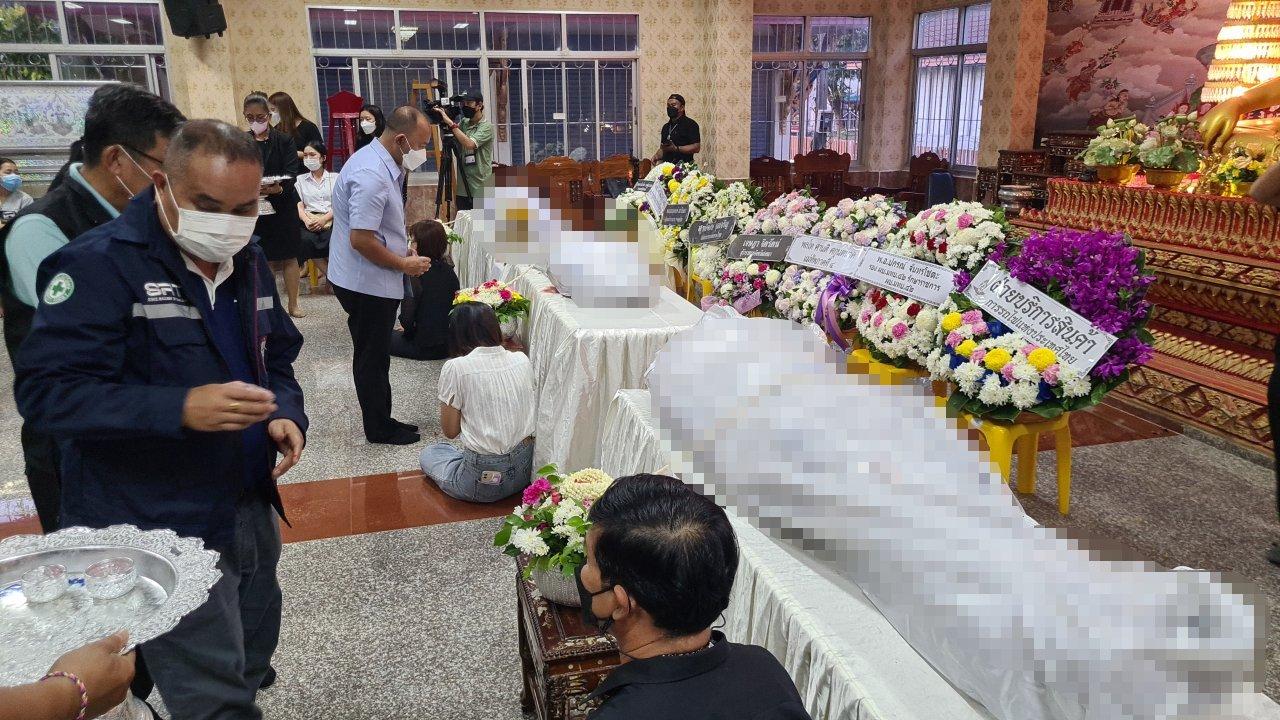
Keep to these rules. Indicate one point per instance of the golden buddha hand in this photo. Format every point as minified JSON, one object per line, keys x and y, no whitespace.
{"x":1219,"y":124}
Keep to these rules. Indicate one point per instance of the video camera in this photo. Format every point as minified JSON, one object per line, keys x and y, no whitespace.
{"x":451,"y":107}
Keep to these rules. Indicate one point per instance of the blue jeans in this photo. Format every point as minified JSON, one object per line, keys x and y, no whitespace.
{"x":468,"y":475}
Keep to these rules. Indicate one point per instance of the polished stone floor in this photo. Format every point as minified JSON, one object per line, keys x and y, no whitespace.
{"x":397,"y":606}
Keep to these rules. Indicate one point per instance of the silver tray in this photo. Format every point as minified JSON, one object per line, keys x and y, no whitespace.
{"x":174,"y":578}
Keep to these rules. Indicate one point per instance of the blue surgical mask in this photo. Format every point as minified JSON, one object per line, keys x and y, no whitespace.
{"x":11,"y":182}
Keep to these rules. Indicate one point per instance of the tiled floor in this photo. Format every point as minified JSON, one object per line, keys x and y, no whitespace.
{"x":398,"y":606}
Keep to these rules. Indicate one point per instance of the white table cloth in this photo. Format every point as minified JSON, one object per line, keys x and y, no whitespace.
{"x":847,"y":661}
{"x":471,"y":260}
{"x":582,"y":357}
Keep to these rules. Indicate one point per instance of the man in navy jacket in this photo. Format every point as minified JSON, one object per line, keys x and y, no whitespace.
{"x":162,"y":362}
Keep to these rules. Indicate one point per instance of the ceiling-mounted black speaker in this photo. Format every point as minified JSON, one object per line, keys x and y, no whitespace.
{"x":195,"y":18}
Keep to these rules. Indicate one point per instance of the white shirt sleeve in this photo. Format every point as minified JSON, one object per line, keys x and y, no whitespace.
{"x":448,"y":387}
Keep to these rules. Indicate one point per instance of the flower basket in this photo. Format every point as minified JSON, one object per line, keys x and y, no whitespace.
{"x":555,"y":587}
{"x":1117,"y":174}
{"x":1164,"y":178}
{"x":508,"y":304}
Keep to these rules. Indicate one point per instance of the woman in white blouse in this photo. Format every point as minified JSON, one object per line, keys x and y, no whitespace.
{"x":486,"y":397}
{"x":315,"y":206}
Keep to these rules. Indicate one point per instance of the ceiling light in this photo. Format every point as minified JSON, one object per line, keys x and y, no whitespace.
{"x":121,"y":21}
{"x":461,"y":26}
{"x":72,"y":6}
{"x":407,"y":32}
{"x":350,"y":22}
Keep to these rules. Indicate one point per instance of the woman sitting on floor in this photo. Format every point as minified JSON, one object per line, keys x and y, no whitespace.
{"x":425,"y":315}
{"x":487,"y":397}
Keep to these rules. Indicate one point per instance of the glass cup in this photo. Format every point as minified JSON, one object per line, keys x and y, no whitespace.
{"x":110,"y":578}
{"x":45,"y":583}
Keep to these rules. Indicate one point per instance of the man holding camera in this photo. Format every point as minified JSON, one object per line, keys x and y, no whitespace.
{"x":474,"y":136}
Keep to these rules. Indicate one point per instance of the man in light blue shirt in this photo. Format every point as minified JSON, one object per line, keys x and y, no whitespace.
{"x":126,"y":137}
{"x":369,"y":255}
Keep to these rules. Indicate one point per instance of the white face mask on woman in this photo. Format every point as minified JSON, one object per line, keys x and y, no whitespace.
{"x":368,"y":126}
{"x":275,"y":117}
{"x":311,"y":163}
{"x":213,"y":237}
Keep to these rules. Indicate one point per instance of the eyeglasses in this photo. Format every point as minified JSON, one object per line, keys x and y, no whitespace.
{"x":148,"y":156}
{"x":264,"y":117}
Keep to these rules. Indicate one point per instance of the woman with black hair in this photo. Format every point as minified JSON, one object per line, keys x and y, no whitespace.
{"x":425,"y":316}
{"x":278,"y":229}
{"x":487,"y":398}
{"x":315,"y":206}
{"x":286,"y":118}
{"x":372,"y":123}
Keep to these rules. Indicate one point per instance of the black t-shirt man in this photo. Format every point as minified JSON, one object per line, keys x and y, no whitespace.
{"x":680,"y":135}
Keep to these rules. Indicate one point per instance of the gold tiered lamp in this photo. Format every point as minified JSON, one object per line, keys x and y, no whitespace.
{"x":1244,"y":77}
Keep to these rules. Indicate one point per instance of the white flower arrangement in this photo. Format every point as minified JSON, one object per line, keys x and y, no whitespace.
{"x":896,"y":329}
{"x":865,"y":221}
{"x":956,"y":235}
{"x":551,"y":524}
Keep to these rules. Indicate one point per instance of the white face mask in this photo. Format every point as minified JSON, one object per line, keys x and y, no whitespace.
{"x":368,"y":126}
{"x":413,"y":158}
{"x":275,"y":117}
{"x":213,"y":237}
{"x":311,"y":163}
{"x":258,"y":127}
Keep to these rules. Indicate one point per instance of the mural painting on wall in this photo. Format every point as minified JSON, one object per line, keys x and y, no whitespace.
{"x":1108,"y":59}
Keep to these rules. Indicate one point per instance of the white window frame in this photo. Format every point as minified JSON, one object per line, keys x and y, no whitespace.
{"x":484,"y":55}
{"x":65,"y":47}
{"x":806,"y":56}
{"x":958,"y":52}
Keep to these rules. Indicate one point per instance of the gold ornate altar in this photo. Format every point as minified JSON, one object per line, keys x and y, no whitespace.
{"x":1216,"y":299}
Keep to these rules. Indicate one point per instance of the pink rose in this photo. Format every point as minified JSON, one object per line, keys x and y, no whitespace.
{"x":1050,"y":374}
{"x":758,"y":283}
{"x":977,"y":354}
{"x":740,"y":278}
{"x":971,"y":317}
{"x":877,"y":321}
{"x":505,"y":295}
{"x":939,"y":214}
{"x":979,"y":328}
{"x":536,"y":491}
{"x":899,"y":331}
{"x":954,"y":338}
{"x":865,"y":317}
{"x":964,"y":221}
{"x":762,"y":267}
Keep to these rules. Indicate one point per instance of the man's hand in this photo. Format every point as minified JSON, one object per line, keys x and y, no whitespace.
{"x":288,"y":440}
{"x":230,"y":406}
{"x":440,"y":111}
{"x":415,"y":266}
{"x":106,"y":673}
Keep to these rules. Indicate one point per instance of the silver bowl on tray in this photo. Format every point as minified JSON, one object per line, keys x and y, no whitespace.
{"x":143,"y":581}
{"x":1016,"y":198}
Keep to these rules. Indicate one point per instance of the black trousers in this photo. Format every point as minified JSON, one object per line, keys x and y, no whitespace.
{"x":371,"y":319}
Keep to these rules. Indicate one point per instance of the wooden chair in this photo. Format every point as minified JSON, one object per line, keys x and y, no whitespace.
{"x":772,"y":175}
{"x":344,"y":124}
{"x":823,"y":172}
{"x":915,"y":195}
{"x":563,"y":179}
{"x":617,"y":167}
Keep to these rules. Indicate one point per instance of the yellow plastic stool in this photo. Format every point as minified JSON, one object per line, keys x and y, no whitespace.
{"x":1004,"y":438}
{"x":313,"y":274}
{"x":860,"y":361}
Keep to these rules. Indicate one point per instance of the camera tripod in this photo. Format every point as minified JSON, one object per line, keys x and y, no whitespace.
{"x":450,"y":157}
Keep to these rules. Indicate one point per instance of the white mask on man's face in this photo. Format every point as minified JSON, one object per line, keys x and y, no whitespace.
{"x":212,"y":237}
{"x":413,"y":159}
